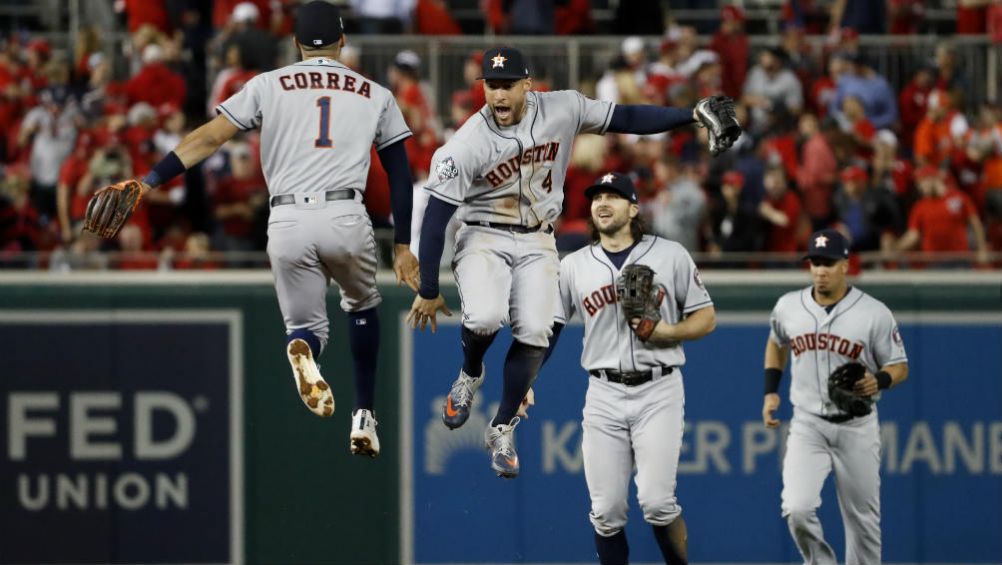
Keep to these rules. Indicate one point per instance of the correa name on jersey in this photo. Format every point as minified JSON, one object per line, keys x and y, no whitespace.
{"x":324,"y":81}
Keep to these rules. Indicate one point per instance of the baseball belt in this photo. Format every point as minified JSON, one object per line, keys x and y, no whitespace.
{"x":629,"y":378}
{"x":514,"y":228}
{"x":329,"y":196}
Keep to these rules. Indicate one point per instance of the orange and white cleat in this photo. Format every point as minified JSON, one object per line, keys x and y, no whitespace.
{"x":312,"y":387}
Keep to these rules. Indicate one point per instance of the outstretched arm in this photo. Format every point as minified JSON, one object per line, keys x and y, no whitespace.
{"x":644,"y":119}
{"x":394,"y":160}
{"x":192,"y":150}
{"x":429,"y":301}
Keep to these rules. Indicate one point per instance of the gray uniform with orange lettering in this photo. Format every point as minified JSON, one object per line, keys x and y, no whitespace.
{"x":318,"y":121}
{"x":858,"y":328}
{"x":512,"y":175}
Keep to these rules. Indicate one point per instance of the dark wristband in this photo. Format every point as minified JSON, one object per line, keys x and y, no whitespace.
{"x":772,"y":378}
{"x":164,"y":171}
{"x":883,"y":380}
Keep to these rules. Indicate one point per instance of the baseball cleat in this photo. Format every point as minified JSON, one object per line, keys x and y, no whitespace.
{"x":500,"y":441}
{"x":457,"y":405}
{"x":364,"y":440}
{"x":312,"y":387}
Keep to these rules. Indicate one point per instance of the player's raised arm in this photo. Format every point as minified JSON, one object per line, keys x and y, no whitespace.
{"x":715,"y":113}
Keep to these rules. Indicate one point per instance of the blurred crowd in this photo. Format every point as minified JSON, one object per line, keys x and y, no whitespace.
{"x":828,"y":141}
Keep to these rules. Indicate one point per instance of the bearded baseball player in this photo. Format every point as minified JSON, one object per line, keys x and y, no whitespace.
{"x":318,"y":120}
{"x":639,"y":296}
{"x":846,"y":350}
{"x":504,"y":169}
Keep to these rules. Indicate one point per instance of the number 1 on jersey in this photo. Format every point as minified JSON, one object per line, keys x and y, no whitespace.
{"x":324,"y":140}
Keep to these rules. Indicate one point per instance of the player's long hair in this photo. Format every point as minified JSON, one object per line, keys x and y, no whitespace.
{"x":638,"y":227}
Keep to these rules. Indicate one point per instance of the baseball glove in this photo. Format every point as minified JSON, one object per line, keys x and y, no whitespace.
{"x":110,"y":207}
{"x":840,"y":389}
{"x":716,"y":114}
{"x":640,"y":298}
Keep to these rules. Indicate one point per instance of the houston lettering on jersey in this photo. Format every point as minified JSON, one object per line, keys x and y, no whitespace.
{"x":826,"y":342}
{"x":599,"y":299}
{"x":325,"y":81}
{"x":537,"y":154}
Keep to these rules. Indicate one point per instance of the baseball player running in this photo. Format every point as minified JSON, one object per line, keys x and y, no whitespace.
{"x":639,"y":296}
{"x":505,"y":167}
{"x":318,"y":120}
{"x":831,"y":327}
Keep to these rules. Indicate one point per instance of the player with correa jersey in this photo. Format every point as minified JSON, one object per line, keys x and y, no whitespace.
{"x":504,"y":171}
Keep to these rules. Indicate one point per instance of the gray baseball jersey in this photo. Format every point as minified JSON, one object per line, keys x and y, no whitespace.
{"x":858,"y":328}
{"x":515,"y":174}
{"x":625,"y":425}
{"x":588,"y":287}
{"x":318,"y":122}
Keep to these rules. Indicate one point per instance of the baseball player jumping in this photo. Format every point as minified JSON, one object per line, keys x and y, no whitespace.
{"x":639,"y":296}
{"x":505,"y":168}
{"x":832,"y":328}
{"x":318,"y":121}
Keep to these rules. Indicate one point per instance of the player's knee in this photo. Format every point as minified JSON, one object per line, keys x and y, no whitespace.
{"x":609,"y":521}
{"x":484,"y":322}
{"x":536,"y":334}
{"x":660,"y":510}
{"x":799,"y":516}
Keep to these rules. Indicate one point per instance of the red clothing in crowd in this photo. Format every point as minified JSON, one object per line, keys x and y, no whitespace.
{"x":420,"y":148}
{"x":74,"y":168}
{"x":816,"y":176}
{"x":153,"y":12}
{"x":942,"y":221}
{"x":822,"y":93}
{"x":912,"y":107}
{"x":733,"y":51}
{"x":431,"y":17}
{"x":377,"y":189}
{"x":232,"y":190}
{"x":971,"y":20}
{"x":574,"y":18}
{"x":157,"y":85}
{"x":785,"y":239}
{"x":19,"y":227}
{"x":933,"y":141}
{"x":223,"y":9}
{"x":905,"y":16}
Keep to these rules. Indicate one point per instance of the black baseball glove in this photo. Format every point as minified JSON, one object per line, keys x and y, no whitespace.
{"x":640,"y":298}
{"x":840,"y":389}
{"x":716,"y":114}
{"x":110,"y":207}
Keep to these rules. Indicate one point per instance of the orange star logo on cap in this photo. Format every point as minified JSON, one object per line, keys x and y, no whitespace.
{"x":607,"y":179}
{"x":498,"y":61}
{"x":821,"y":241}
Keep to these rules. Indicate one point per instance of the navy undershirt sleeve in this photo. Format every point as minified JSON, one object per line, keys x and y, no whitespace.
{"x":557,"y":327}
{"x":436,"y":218}
{"x":398,"y":171}
{"x":645,"y":119}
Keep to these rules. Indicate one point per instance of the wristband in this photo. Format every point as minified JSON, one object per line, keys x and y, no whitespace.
{"x":164,"y":171}
{"x":772,"y":378}
{"x":883,"y":380}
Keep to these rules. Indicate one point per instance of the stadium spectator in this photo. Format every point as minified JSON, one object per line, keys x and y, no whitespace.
{"x":786,"y":225}
{"x":197,"y":254}
{"x":731,"y":44}
{"x":853,"y":121}
{"x":574,"y":18}
{"x":940,"y":132}
{"x":432,"y":17}
{"x":71,"y":205}
{"x":869,"y":216}
{"x":403,"y":78}
{"x":623,"y":82}
{"x":20,"y":221}
{"x":134,"y":253}
{"x":236,"y":201}
{"x":940,"y":220}
{"x":913,"y":101}
{"x":146,"y":12}
{"x":155,"y":83}
{"x":815,"y":172}
{"x":873,"y":91}
{"x":222,"y":13}
{"x":258,"y":47}
{"x":734,"y":223}
{"x":382,"y":16}
{"x":905,"y":16}
{"x":951,"y":78}
{"x":890,"y":171}
{"x":51,"y":129}
{"x":972,"y":15}
{"x":771,"y":86}
{"x":229,"y":80}
{"x":677,"y":212}
{"x":865,"y":16}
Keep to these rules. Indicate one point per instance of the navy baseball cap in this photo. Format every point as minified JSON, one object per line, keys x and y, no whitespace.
{"x":318,"y":23}
{"x":503,"y":63}
{"x":613,"y":182}
{"x":828,"y":244}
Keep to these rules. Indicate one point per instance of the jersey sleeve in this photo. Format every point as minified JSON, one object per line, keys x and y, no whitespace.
{"x":690,"y":292}
{"x":776,"y":331}
{"x":391,"y":127}
{"x":244,"y":107}
{"x":452,"y":172}
{"x":593,"y":115}
{"x":565,"y":301}
{"x":885,"y":339}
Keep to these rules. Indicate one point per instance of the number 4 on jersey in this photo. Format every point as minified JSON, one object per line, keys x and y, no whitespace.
{"x":324,"y":139}
{"x":548,"y":181}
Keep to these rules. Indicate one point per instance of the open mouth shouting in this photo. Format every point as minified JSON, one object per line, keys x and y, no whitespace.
{"x":503,"y":113}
